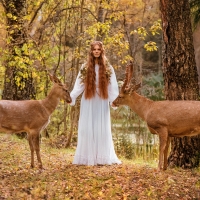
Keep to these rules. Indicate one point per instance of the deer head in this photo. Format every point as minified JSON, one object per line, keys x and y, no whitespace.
{"x":61,"y":89}
{"x":127,"y":88}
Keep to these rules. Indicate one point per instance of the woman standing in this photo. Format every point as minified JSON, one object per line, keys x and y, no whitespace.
{"x":98,"y":83}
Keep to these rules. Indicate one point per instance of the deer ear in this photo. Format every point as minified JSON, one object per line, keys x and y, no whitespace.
{"x":127,"y":90}
{"x":51,"y":77}
{"x":137,"y":86}
{"x":54,"y":78}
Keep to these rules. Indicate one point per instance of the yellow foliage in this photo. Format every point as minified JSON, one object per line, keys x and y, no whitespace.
{"x":151,"y":46}
{"x":156,"y":27}
{"x":9,"y":15}
{"x":34,"y":74}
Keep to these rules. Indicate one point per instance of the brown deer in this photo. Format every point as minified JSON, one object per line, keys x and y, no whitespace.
{"x":32,"y":116}
{"x":164,"y":118}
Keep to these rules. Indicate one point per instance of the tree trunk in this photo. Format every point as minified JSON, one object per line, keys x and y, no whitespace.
{"x":18,"y":83}
{"x":101,"y":18}
{"x":196,"y":42}
{"x":180,"y":73}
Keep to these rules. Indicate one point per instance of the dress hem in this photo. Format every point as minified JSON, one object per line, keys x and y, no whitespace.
{"x":79,"y":160}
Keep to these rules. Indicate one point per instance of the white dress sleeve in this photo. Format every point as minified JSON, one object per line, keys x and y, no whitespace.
{"x":113,"y":89}
{"x":79,"y":87}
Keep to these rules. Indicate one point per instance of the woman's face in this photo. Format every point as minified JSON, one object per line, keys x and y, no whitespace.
{"x":96,"y":51}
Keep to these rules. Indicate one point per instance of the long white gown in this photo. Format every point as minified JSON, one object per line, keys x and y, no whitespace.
{"x":95,"y":144}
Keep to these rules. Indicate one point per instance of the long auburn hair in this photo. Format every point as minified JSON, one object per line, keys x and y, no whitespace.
{"x":90,"y":87}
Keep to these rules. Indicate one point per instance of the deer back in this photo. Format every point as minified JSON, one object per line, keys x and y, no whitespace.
{"x":26,"y":115}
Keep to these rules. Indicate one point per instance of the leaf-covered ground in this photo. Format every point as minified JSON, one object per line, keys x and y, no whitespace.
{"x":62,"y":180}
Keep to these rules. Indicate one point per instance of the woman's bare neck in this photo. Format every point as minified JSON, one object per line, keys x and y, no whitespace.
{"x":96,"y":61}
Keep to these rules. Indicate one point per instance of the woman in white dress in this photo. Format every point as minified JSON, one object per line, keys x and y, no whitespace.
{"x":97,"y":81}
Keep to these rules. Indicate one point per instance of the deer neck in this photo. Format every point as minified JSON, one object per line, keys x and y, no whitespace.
{"x":51,"y":101}
{"x":140,"y":104}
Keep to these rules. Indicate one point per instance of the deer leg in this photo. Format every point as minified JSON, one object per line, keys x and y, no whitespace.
{"x":163,"y":142}
{"x":36,"y":146}
{"x":166,"y":153}
{"x":30,"y":141}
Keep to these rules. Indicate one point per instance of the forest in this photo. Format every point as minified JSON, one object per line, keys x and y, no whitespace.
{"x":45,"y":37}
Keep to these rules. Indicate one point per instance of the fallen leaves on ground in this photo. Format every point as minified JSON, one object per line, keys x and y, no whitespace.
{"x":62,"y":180}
